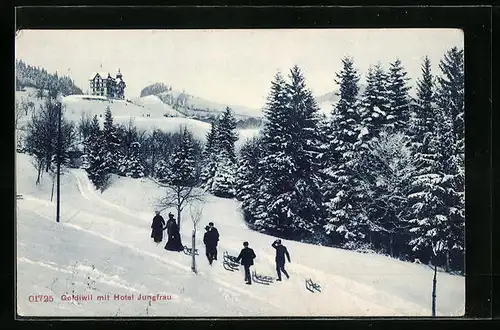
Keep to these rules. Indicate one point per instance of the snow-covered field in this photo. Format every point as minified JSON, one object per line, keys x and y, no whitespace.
{"x":102,"y":247}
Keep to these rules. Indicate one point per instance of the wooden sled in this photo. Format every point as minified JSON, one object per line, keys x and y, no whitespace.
{"x":229,"y":262}
{"x":311,"y":286}
{"x":261,"y":279}
{"x":189,"y":251}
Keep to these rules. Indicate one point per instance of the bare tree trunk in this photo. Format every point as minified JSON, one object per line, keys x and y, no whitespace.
{"x":193,"y":254}
{"x":52,"y":193}
{"x":39,"y":172}
{"x":448,"y":260}
{"x":434,"y":292}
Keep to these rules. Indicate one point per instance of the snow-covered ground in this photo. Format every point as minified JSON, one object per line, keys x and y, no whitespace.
{"x":102,"y":246}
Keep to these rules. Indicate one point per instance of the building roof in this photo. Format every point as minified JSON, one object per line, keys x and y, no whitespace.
{"x":103,"y":75}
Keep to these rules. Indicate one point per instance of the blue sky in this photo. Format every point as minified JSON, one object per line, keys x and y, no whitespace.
{"x":228,"y":66}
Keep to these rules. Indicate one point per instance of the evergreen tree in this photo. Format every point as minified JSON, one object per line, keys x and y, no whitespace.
{"x":182,"y":167}
{"x":386,"y":172}
{"x":289,"y":199}
{"x":224,"y":179}
{"x":209,"y":164}
{"x":247,"y":172}
{"x":90,"y":139}
{"x":226,"y":134}
{"x":345,"y":222}
{"x":111,"y":142}
{"x":423,"y":117}
{"x":437,"y":197}
{"x":451,"y":92}
{"x":133,"y":166}
{"x":97,"y":168}
{"x":375,"y":103}
{"x":399,"y":100}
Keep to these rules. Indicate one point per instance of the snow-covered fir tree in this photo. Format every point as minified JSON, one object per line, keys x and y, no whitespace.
{"x":345,"y":222}
{"x":451,"y":91}
{"x":161,"y":171}
{"x":423,"y":119}
{"x":246,"y":174}
{"x":224,"y":179}
{"x":98,"y":168}
{"x":375,"y":103}
{"x":181,"y":165}
{"x":399,"y":100}
{"x":386,"y":171}
{"x":227,"y":135}
{"x":289,"y":200}
{"x":132,"y":167}
{"x":90,"y":139}
{"x":437,"y":197}
{"x":210,"y":152}
{"x":111,"y":142}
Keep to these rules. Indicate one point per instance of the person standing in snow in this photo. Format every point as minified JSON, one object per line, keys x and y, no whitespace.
{"x":210,"y":244}
{"x":281,"y":251}
{"x":215,"y":235}
{"x":246,"y":256}
{"x":170,"y":220}
{"x":174,"y":237}
{"x":158,"y":227}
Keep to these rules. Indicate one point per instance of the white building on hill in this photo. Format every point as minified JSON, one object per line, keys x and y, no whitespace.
{"x":104,"y":85}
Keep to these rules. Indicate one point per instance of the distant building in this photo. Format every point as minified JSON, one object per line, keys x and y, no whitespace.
{"x":104,"y":85}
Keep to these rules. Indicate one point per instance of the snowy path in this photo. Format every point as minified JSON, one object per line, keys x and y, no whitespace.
{"x":107,"y":235}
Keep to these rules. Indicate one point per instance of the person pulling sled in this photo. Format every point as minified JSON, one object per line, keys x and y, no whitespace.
{"x":246,"y":256}
{"x":210,"y":241}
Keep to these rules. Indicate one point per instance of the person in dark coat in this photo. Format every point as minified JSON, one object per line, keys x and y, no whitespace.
{"x":215,"y":235}
{"x":174,"y":237}
{"x":246,"y":256}
{"x":281,"y":252}
{"x":170,"y":220}
{"x":210,"y":245}
{"x":158,"y":226}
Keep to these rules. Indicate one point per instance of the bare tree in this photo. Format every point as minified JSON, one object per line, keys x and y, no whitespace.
{"x":179,"y":197}
{"x":41,"y":137}
{"x":195,"y":210}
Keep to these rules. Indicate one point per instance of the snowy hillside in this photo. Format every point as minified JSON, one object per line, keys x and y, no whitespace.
{"x":103,"y":247}
{"x":141,"y":107}
{"x":204,"y":106}
{"x":146,"y":113}
{"x":156,"y":107}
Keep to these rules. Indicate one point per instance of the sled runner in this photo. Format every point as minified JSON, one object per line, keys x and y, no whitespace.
{"x":230,"y":262}
{"x":311,"y":286}
{"x":262,"y":279}
{"x":188,"y":251}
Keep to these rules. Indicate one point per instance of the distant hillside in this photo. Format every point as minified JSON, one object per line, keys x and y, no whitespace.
{"x":39,"y":78}
{"x":327,"y":100}
{"x":196,"y":107}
